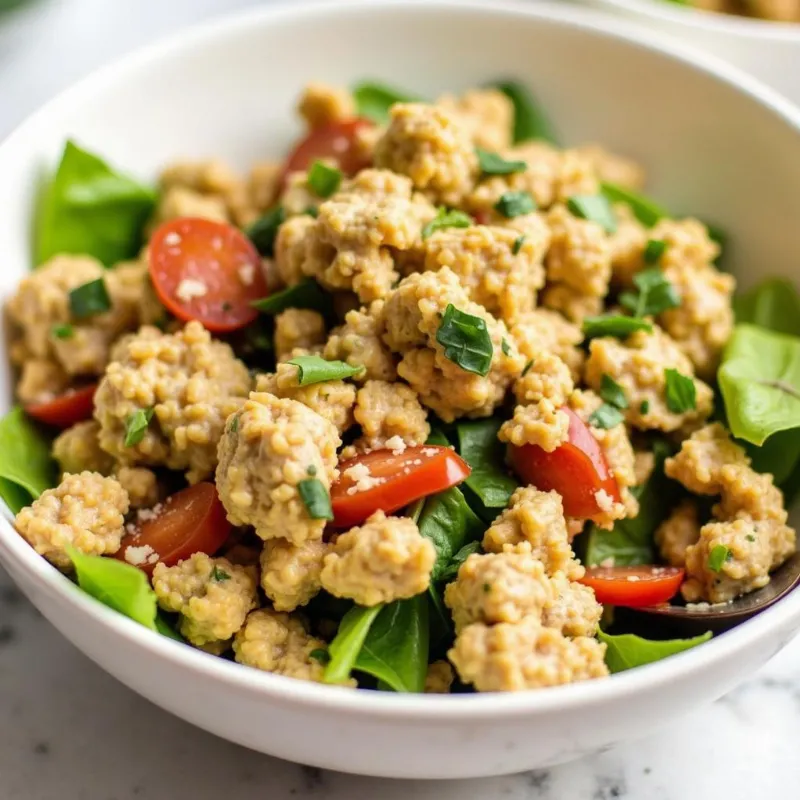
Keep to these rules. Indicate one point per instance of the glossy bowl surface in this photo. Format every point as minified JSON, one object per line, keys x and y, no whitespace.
{"x":718,"y":144}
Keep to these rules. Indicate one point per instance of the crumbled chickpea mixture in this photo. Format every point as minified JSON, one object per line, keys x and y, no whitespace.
{"x":285,"y":475}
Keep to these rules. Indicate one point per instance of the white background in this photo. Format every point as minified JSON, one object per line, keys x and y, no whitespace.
{"x":70,"y":732}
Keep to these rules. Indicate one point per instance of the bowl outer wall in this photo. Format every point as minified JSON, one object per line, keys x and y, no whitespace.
{"x":769,"y":50}
{"x":722,"y":140}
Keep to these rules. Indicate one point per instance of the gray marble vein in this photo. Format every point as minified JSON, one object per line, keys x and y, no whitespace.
{"x":71,"y":732}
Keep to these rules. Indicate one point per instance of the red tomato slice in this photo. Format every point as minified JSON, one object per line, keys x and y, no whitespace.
{"x":208,"y":271}
{"x":634,"y":587}
{"x":577,"y":470}
{"x":75,"y":405}
{"x":398,"y":480}
{"x":337,"y":141}
{"x":190,"y":521}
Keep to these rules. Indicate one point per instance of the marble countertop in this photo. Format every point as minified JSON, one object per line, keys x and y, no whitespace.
{"x":70,"y":731}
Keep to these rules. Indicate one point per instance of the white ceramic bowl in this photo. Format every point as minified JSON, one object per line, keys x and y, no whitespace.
{"x":718,"y":144}
{"x":769,"y":50}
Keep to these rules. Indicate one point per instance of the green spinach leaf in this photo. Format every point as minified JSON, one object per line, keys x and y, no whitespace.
{"x":458,"y":559}
{"x":120,"y":586}
{"x":90,"y":208}
{"x":395,"y":650}
{"x":307,"y":294}
{"x":627,"y":650}
{"x":614,"y":325}
{"x":596,"y":208}
{"x":26,"y":466}
{"x":630,"y":542}
{"x":349,"y":640}
{"x":479,"y":446}
{"x":373,"y":100}
{"x":313,"y":369}
{"x":760,"y":383}
{"x":263,"y":231}
{"x":494,"y":164}
{"x":773,"y":304}
{"x":530,"y":122}
{"x":644,"y":209}
{"x":466,"y":340}
{"x":445,"y":218}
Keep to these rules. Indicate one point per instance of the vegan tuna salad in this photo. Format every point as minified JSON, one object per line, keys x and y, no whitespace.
{"x":404,"y":411}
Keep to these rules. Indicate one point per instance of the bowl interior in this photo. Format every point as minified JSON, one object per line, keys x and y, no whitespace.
{"x":716,"y":144}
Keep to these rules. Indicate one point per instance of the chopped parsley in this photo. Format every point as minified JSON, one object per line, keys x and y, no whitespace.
{"x":234,"y":426}
{"x":136,"y":425}
{"x":515,"y":204}
{"x":680,"y":392}
{"x":606,"y":417}
{"x":505,"y":347}
{"x":644,"y":407}
{"x":323,"y":179}
{"x":654,"y":249}
{"x":89,"y":299}
{"x":718,"y":556}
{"x":596,"y":208}
{"x":518,"y":242}
{"x":487,"y":588}
{"x":612,"y":393}
{"x":494,"y":164}
{"x":655,"y":294}
{"x":466,"y":340}
{"x":219,"y":575}
{"x":315,"y":498}
{"x":750,"y":537}
{"x":614,"y":325}
{"x":63,"y":331}
{"x":526,"y":368}
{"x":446,"y":219}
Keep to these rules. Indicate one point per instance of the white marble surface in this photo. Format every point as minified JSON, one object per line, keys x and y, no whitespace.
{"x":71,"y":732}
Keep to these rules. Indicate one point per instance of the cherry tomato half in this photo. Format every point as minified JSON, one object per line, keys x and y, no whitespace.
{"x":208,"y":271}
{"x":75,"y":405}
{"x":634,"y":587}
{"x":337,"y":141}
{"x":577,"y":470}
{"x":394,"y":481}
{"x":190,"y":521}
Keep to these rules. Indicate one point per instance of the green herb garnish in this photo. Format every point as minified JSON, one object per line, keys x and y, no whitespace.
{"x":323,"y":179}
{"x":315,"y":498}
{"x":63,"y":331}
{"x":656,"y":294}
{"x":644,"y":209}
{"x":306,"y":294}
{"x":314,"y":369}
{"x":654,"y":249}
{"x":644,"y":407}
{"x":530,"y":122}
{"x":518,"y":242}
{"x":446,"y":219}
{"x":680,"y":392}
{"x":263,"y":231}
{"x":136,"y":425}
{"x":373,"y":100}
{"x":219,"y":575}
{"x":89,"y":299}
{"x":505,"y":347}
{"x":515,"y":204}
{"x":594,"y":207}
{"x":614,"y":325}
{"x":466,"y":341}
{"x":719,"y":554}
{"x":612,"y":392}
{"x":606,"y":417}
{"x":494,"y":164}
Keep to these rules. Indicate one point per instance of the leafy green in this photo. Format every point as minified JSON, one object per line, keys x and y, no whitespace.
{"x":120,"y":586}
{"x":136,"y":425}
{"x":680,"y":392}
{"x":263,"y":231}
{"x":373,"y":100}
{"x":479,"y":446}
{"x":466,"y":341}
{"x":63,"y":331}
{"x":644,"y":209}
{"x":719,"y":554}
{"x":631,"y":540}
{"x":446,"y":219}
{"x":323,"y":179}
{"x":611,"y":392}
{"x":26,"y":466}
{"x":515,"y":204}
{"x":605,"y":417}
{"x":315,"y":498}
{"x":395,"y":650}
{"x":530,"y":122}
{"x":594,"y":207}
{"x":779,"y":455}
{"x":654,"y":249}
{"x":495,"y":164}
{"x":655,"y":294}
{"x":449,"y":522}
{"x":89,"y":208}
{"x":518,"y":242}
{"x":349,"y":640}
{"x":773,"y":304}
{"x":306,"y":294}
{"x":627,"y":651}
{"x":314,"y":369}
{"x":89,"y":299}
{"x":614,"y":325}
{"x":458,"y":559}
{"x":760,"y":382}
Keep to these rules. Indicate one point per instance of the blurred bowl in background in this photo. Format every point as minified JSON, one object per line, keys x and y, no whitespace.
{"x":768,"y":50}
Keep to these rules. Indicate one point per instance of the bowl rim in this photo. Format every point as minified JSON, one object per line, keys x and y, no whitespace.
{"x":443,"y":709}
{"x":769,"y":30}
